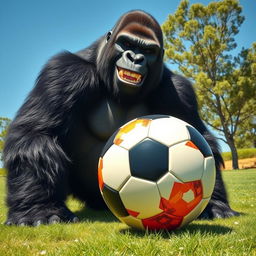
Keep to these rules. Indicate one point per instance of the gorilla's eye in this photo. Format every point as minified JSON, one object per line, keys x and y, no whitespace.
{"x":127,"y":44}
{"x":148,"y":51}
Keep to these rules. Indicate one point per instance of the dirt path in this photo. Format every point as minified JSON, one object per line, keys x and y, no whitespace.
{"x":243,"y":163}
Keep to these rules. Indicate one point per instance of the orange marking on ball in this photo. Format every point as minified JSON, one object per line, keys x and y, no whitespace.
{"x":192,"y":145}
{"x":129,"y":127}
{"x":100,"y":178}
{"x":132,"y":213}
{"x":176,"y":205}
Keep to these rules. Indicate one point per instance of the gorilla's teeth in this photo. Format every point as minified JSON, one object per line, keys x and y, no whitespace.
{"x":121,"y":72}
{"x":129,"y":76}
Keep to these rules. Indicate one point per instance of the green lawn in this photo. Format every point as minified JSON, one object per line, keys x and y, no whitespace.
{"x":100,"y":233}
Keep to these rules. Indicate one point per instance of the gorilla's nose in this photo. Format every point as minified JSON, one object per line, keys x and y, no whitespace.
{"x":130,"y":56}
{"x":139,"y":59}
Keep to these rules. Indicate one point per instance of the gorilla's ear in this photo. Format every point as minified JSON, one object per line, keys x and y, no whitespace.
{"x":108,"y":35}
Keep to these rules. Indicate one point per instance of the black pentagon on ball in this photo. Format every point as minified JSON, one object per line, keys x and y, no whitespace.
{"x":198,"y":139}
{"x":114,"y":202}
{"x":153,"y":117}
{"x":148,"y":160}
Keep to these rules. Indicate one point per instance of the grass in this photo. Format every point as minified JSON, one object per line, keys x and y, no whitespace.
{"x":100,"y":233}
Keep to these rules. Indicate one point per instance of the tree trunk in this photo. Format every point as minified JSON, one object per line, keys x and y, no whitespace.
{"x":232,"y":146}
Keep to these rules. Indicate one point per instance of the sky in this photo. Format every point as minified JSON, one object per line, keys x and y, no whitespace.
{"x":31,"y":31}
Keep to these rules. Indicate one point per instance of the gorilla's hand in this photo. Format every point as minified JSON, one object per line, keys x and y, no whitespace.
{"x":42,"y":215}
{"x":217,"y":209}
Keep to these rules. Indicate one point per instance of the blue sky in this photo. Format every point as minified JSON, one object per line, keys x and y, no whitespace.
{"x":31,"y":31}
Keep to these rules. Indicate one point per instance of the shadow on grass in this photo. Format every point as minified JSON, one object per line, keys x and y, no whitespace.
{"x":89,"y":215}
{"x":192,"y":229}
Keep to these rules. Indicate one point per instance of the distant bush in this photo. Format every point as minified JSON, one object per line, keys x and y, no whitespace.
{"x":242,"y":153}
{"x":2,"y":172}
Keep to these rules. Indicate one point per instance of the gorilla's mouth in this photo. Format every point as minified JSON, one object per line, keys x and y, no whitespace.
{"x":129,"y":76}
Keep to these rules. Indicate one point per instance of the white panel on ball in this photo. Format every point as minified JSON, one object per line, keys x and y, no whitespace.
{"x":208,"y":178}
{"x":165,"y":185}
{"x":188,"y":196}
{"x":168,"y":131}
{"x":133,"y":222}
{"x":195,"y":212}
{"x":141,"y":196}
{"x":130,"y":138}
{"x":116,"y":169}
{"x":185,"y":162}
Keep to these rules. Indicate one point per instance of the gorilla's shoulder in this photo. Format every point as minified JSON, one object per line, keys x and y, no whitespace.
{"x":66,"y":58}
{"x":182,"y":86}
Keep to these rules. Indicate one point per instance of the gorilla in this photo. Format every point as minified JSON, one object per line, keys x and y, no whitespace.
{"x":79,"y":100}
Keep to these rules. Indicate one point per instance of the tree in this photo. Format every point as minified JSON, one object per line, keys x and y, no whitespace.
{"x":4,"y":123}
{"x":199,"y":40}
{"x":247,"y":129}
{"x":247,"y":134}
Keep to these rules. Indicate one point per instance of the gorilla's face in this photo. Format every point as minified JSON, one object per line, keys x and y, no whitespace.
{"x":134,"y":51}
{"x":136,"y":59}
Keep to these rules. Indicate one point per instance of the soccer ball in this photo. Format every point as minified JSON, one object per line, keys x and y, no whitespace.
{"x":156,"y":172}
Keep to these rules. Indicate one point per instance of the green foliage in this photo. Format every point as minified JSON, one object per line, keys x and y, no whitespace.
{"x":242,"y":153}
{"x":4,"y":122}
{"x":101,"y":234}
{"x":2,"y":172}
{"x":199,"y":39}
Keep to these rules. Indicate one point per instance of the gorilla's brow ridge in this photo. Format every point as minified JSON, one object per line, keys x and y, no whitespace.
{"x":139,"y":39}
{"x":140,"y":31}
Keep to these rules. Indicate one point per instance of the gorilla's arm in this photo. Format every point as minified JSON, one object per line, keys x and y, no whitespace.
{"x":33,"y":154}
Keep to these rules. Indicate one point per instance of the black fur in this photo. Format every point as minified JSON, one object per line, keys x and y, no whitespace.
{"x":46,"y":141}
